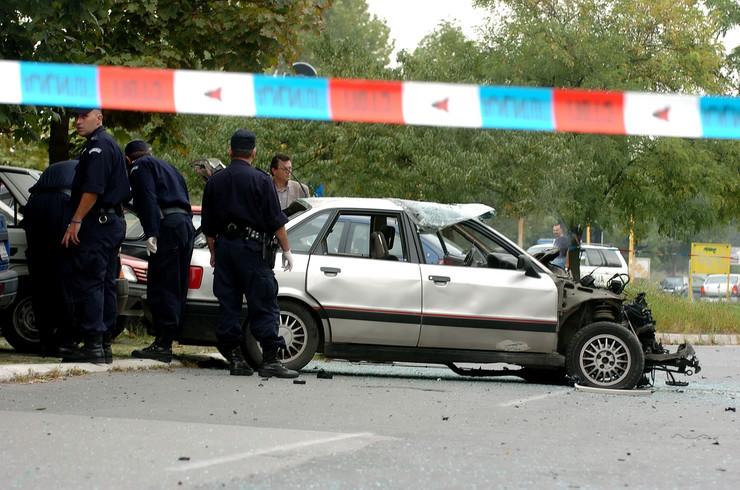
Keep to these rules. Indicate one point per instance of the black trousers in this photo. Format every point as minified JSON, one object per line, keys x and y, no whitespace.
{"x":96,"y":266}
{"x":45,"y":219}
{"x":242,"y":273}
{"x":168,"y":274}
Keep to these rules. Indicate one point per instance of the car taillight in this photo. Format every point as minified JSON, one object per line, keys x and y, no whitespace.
{"x":196,"y":277}
{"x":701,"y":291}
{"x":734,"y":290}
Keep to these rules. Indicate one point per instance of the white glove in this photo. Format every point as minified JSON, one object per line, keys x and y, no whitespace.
{"x":151,"y":245}
{"x":287,"y":260}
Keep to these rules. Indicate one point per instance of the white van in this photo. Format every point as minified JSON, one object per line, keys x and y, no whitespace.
{"x":601,"y":261}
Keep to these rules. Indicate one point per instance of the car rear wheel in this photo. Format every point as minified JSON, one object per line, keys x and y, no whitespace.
{"x":19,"y":325}
{"x":301,"y":335}
{"x":605,"y":355}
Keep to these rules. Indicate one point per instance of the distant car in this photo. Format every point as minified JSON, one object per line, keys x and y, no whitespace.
{"x":715,"y":287}
{"x":601,"y":262}
{"x":8,"y":278}
{"x":677,"y":285}
{"x":17,"y":320}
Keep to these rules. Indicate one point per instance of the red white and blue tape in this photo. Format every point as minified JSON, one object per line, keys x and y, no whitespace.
{"x":372,"y":101}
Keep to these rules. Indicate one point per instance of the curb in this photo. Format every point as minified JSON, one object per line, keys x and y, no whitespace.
{"x":698,"y":339}
{"x":10,"y":372}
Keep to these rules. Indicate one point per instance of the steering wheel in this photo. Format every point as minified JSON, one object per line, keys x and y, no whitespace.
{"x":468,"y":261}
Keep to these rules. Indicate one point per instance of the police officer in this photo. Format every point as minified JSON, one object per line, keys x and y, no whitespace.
{"x":45,"y":219}
{"x":240,"y":216}
{"x":94,"y":235}
{"x":161,"y":200}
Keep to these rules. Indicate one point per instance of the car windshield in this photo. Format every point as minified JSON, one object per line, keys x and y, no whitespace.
{"x":673,"y":281}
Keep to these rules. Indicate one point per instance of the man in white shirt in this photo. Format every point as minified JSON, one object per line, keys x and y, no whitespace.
{"x":288,"y":190}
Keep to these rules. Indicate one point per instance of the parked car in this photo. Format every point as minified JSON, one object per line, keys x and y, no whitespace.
{"x":715,"y":287}
{"x":677,"y":285}
{"x":600,"y":261}
{"x":17,"y":320}
{"x":393,"y":280}
{"x":8,"y":277}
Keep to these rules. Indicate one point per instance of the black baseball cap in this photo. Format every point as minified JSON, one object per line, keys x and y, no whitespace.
{"x":81,"y":111}
{"x":136,"y":146}
{"x":243,"y":140}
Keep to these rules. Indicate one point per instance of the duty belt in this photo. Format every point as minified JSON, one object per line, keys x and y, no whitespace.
{"x":168,"y":211}
{"x":104,"y":211}
{"x":235,"y":231}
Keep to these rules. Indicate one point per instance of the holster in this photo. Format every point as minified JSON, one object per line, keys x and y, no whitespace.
{"x":269,"y":251}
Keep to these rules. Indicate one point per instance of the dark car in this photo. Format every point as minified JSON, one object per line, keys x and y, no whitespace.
{"x":17,"y":320}
{"x":8,"y":278}
{"x":677,"y":285}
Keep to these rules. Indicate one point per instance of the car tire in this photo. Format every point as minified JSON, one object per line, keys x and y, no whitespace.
{"x":298,"y":328}
{"x":19,"y":326}
{"x":605,"y":355}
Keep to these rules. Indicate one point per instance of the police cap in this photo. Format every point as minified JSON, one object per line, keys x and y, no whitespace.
{"x":243,"y":140}
{"x":82,"y":111}
{"x":136,"y":146}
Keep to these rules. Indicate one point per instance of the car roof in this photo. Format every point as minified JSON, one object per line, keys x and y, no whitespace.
{"x":351,"y":203}
{"x":19,"y":170}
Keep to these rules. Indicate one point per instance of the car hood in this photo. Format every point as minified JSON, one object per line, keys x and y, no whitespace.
{"x":431,"y":216}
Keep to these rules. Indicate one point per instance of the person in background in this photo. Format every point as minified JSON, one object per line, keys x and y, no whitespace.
{"x":240,"y":217}
{"x":162,"y":203}
{"x":288,"y":190}
{"x":561,"y":243}
{"x":94,"y":236}
{"x":45,"y":219}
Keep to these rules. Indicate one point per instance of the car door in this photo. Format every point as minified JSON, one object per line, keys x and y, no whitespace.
{"x":13,"y":195}
{"x":367,"y":299}
{"x":483,"y":301}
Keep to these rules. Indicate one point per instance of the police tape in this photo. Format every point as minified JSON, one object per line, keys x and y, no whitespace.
{"x":369,"y":101}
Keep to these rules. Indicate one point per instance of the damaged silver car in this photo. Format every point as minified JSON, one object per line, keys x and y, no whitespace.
{"x":395,"y":280}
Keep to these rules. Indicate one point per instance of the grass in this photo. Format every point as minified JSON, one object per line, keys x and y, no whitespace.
{"x":676,"y":314}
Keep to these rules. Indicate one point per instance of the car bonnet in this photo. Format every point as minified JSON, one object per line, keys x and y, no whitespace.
{"x":431,"y":216}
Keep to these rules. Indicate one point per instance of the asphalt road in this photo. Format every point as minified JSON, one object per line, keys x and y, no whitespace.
{"x":371,"y":426}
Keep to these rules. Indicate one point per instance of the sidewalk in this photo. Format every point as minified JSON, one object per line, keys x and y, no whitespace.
{"x":18,"y":372}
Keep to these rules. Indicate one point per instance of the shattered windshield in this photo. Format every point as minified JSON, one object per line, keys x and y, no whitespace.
{"x":429,"y":216}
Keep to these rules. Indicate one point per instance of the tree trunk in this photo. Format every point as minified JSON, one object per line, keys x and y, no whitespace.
{"x":59,"y":139}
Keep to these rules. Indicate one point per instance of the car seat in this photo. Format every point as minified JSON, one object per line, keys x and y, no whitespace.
{"x":389,"y":233}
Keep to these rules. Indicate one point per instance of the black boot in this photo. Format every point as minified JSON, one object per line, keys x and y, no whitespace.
{"x":91,"y":351}
{"x":107,"y":349}
{"x":158,"y":351}
{"x":271,"y":367}
{"x":238,"y":366}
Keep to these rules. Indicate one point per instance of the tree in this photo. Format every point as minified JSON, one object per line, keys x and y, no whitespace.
{"x":237,"y":35}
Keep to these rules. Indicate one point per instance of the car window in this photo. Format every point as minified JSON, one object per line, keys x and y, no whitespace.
{"x":302,"y":236}
{"x":592,"y":258}
{"x":352,"y":235}
{"x":432,"y":247}
{"x":134,"y":230}
{"x":9,"y":206}
{"x":612,"y":258}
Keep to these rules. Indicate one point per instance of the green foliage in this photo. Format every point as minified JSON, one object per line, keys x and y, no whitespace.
{"x":239,"y":35}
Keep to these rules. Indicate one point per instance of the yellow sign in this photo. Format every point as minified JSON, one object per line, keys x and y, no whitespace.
{"x":710,"y":258}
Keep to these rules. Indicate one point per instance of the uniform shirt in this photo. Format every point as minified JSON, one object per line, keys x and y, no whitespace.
{"x":242,"y":195}
{"x":155,"y":185}
{"x":101,"y":171}
{"x":292,"y":191}
{"x":58,"y":176}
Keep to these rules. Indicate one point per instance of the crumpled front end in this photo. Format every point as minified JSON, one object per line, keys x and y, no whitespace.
{"x":658,"y":358}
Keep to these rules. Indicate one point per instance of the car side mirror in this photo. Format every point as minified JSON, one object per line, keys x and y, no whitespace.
{"x":525,"y":263}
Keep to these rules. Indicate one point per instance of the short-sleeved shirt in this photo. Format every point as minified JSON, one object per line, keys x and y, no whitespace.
{"x":101,"y":170}
{"x":156,"y":185}
{"x":561,"y":243}
{"x":242,"y":195}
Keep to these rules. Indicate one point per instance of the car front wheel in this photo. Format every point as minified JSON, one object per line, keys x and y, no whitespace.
{"x":605,"y":355}
{"x":298,"y":328}
{"x":19,"y":326}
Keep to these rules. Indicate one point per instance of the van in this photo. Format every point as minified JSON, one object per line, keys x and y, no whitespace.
{"x":600,"y":261}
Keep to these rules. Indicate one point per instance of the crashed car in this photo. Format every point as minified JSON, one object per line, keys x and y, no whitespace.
{"x":397,"y":280}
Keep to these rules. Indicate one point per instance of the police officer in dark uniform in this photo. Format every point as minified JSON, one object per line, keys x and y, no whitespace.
{"x":45,"y":219}
{"x":163,"y":205}
{"x":94,"y":235}
{"x":241,"y":215}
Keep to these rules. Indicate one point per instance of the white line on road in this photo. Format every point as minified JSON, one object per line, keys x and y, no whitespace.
{"x":522,"y":401}
{"x":259,"y":452}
